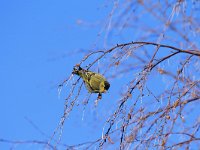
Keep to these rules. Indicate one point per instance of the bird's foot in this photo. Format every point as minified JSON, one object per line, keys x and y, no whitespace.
{"x":98,"y":98}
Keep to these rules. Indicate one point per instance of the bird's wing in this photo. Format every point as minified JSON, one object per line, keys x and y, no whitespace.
{"x":95,"y":82}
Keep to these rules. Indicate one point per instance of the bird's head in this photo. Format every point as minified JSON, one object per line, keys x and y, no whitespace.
{"x":77,"y":70}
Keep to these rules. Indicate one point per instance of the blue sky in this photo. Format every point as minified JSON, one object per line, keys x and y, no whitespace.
{"x":39,"y":46}
{"x":37,"y":38}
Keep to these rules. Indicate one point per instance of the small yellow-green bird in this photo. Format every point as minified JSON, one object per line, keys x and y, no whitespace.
{"x":94,"y":82}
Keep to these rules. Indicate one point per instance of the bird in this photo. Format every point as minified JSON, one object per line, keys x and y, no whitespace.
{"x":94,"y":82}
